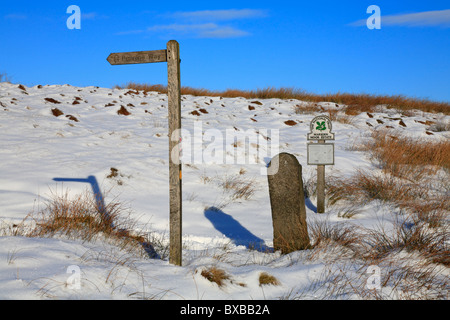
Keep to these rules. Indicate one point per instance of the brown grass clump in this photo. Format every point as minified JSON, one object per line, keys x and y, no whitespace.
{"x":123,"y":111}
{"x":411,"y":257}
{"x":415,"y":179}
{"x":432,"y":212}
{"x":356,"y":103}
{"x":290,"y":123}
{"x":409,"y":236}
{"x":407,"y":157}
{"x":81,"y":218}
{"x":308,"y":108}
{"x":267,"y":279}
{"x":366,"y":186}
{"x":323,"y":233}
{"x":51,"y":100}
{"x":342,"y":117}
{"x":408,"y":165}
{"x":56,"y":112}
{"x":72,"y":118}
{"x":216,"y":275}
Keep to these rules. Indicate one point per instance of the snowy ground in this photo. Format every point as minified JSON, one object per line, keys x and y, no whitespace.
{"x":43,"y":154}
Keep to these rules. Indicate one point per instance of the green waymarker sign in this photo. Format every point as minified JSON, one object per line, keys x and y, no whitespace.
{"x":321,"y":126}
{"x":321,"y":129}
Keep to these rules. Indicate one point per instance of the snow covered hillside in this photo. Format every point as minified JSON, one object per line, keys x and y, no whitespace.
{"x":64,"y":139}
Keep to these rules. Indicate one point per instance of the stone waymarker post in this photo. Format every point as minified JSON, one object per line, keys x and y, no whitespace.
{"x":172,"y":57}
{"x":290,"y":232}
{"x":321,"y":154}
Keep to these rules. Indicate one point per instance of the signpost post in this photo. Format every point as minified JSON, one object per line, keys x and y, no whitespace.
{"x":321,"y":154}
{"x":172,"y":56}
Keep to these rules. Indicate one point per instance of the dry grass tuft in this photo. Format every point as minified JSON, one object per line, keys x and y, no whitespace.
{"x":411,"y":237}
{"x":238,"y":186}
{"x":356,"y":103}
{"x":414,"y":177}
{"x":51,"y":100}
{"x":341,"y":117}
{"x":56,"y":112}
{"x":412,"y":259}
{"x":216,"y":275}
{"x":123,"y":111}
{"x":5,"y":78}
{"x":80,"y":218}
{"x":323,"y":234}
{"x":267,"y":279}
{"x":407,"y":157}
{"x":367,"y":186}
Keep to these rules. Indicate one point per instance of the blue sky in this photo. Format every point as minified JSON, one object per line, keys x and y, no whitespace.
{"x":318,"y":46}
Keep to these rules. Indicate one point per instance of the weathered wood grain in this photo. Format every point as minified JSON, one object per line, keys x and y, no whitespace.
{"x":321,"y":187}
{"x":175,"y":168}
{"x":138,"y":57}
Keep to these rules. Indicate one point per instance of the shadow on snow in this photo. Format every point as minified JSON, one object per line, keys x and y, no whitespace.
{"x":102,"y":209}
{"x":233,"y":230}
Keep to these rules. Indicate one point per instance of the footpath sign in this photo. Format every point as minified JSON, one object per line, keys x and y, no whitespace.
{"x":137,"y":57}
{"x":172,"y":56}
{"x":321,"y":153}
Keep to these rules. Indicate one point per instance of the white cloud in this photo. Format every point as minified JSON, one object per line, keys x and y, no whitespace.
{"x":428,"y":18}
{"x":93,"y":16}
{"x":223,"y":32}
{"x":220,"y":15}
{"x":89,"y":16}
{"x":204,"y":24}
{"x":183,"y":27}
{"x":125,"y":33}
{"x":205,"y":30}
{"x":15,"y":16}
{"x":439,"y":18}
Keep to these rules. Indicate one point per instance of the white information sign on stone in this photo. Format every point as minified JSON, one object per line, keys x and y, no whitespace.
{"x":321,"y":154}
{"x":321,"y":129}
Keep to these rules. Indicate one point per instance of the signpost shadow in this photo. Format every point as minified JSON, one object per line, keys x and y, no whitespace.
{"x":99,"y":200}
{"x":100,"y":203}
{"x":310,"y":205}
{"x":232,"y":229}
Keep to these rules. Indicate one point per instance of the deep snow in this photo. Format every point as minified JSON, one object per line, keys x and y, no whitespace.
{"x":42,"y":154}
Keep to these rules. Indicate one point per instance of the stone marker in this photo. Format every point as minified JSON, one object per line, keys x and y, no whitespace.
{"x":290,"y":232}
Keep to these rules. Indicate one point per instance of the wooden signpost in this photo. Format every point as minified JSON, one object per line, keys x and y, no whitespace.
{"x":321,"y":154}
{"x":172,"y":56}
